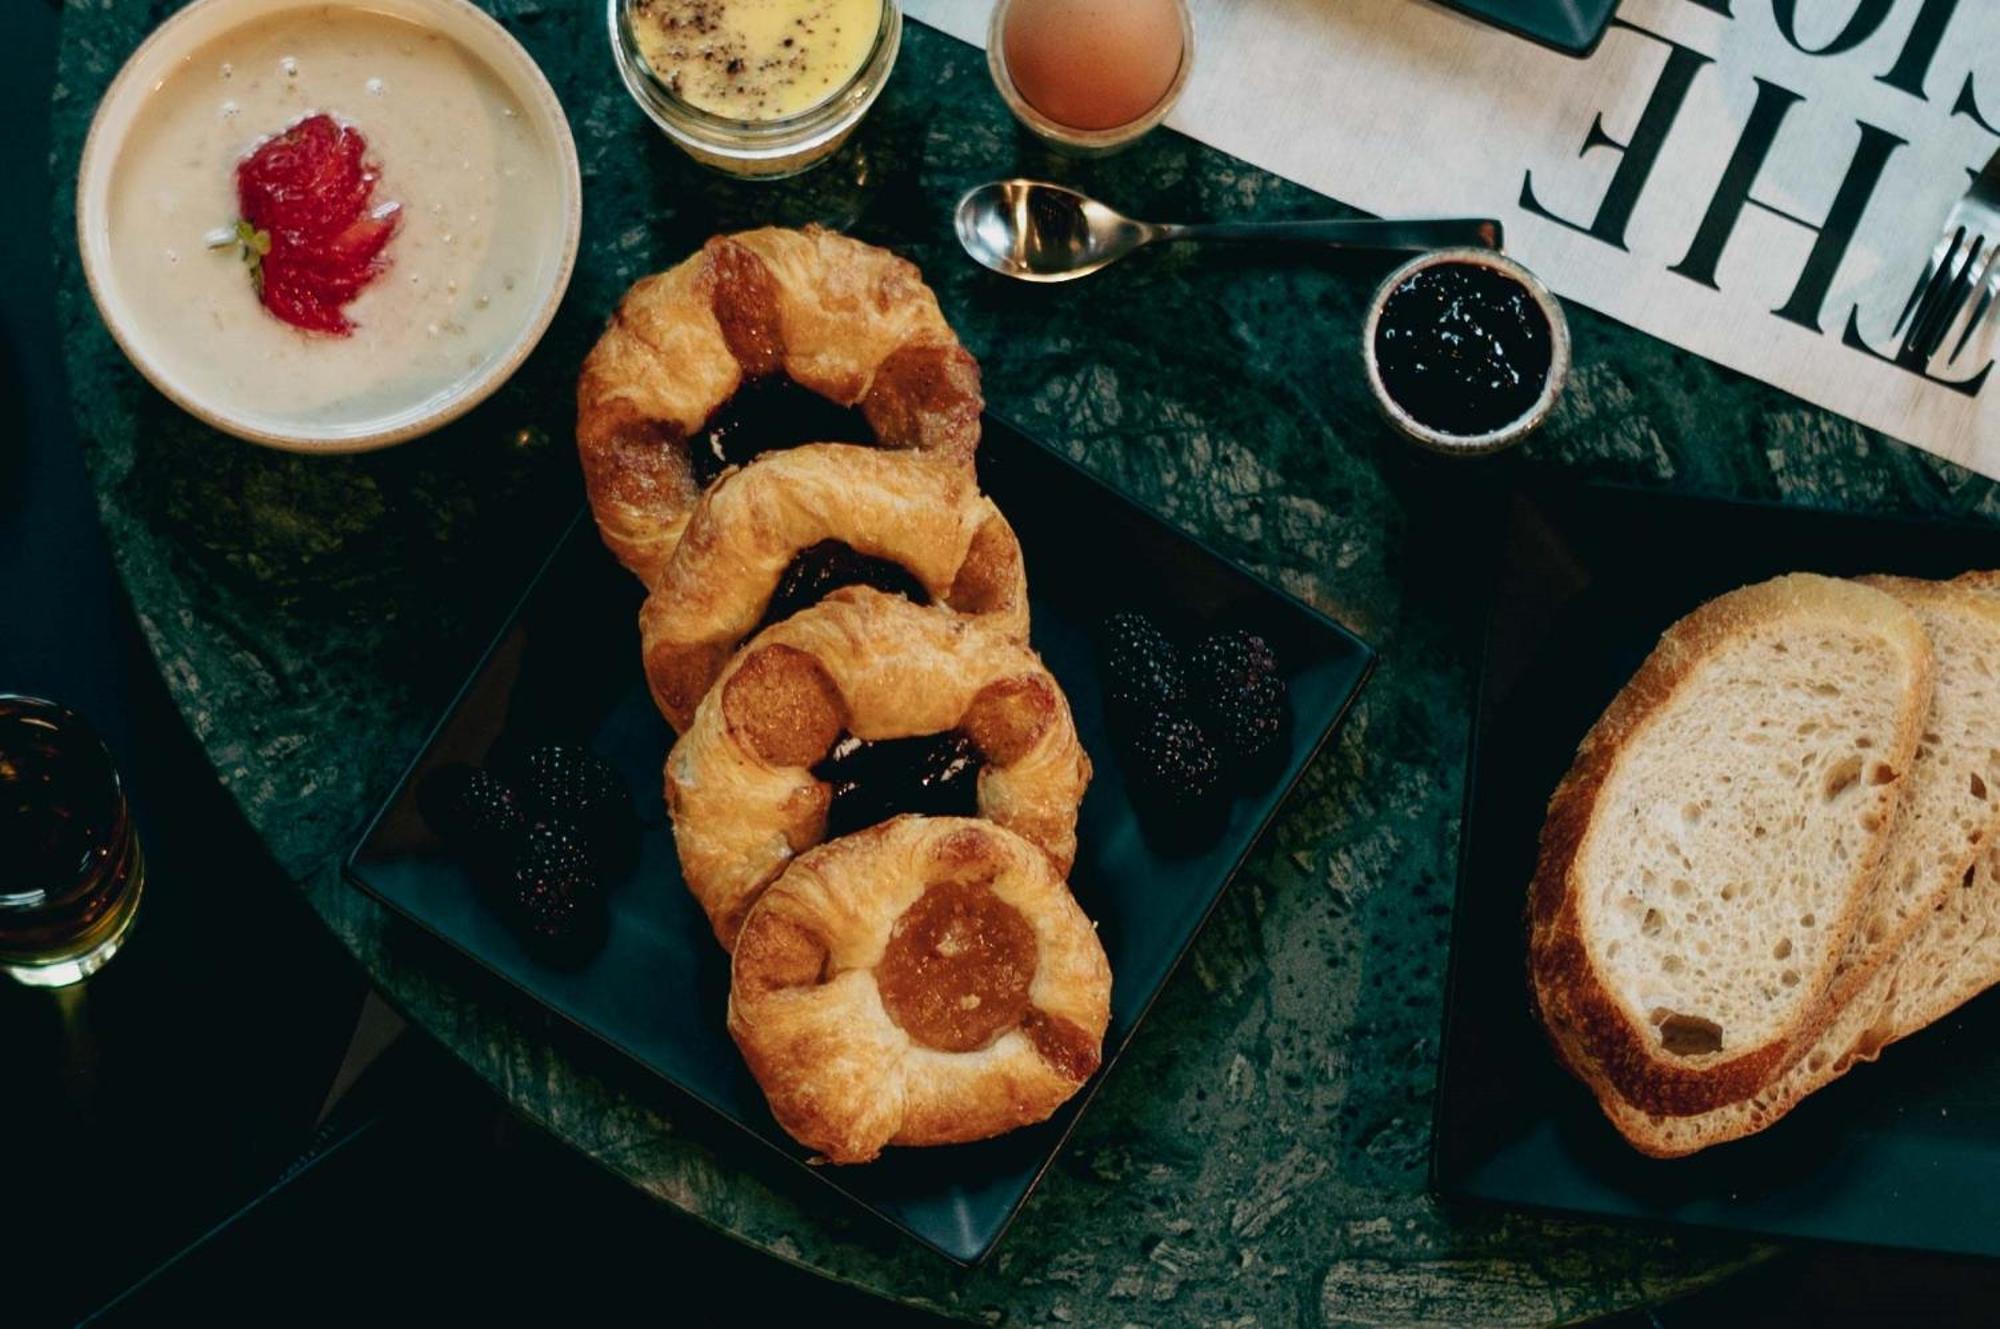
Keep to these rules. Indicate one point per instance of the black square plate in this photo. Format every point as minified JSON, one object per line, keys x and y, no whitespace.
{"x":1573,"y":27}
{"x":567,"y":666}
{"x":1905,"y":1152}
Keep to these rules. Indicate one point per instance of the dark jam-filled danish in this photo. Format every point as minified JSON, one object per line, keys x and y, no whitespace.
{"x":767,"y":415}
{"x":936,"y":775}
{"x":817,"y":571}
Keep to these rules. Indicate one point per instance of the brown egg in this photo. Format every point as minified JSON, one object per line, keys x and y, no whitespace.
{"x":1092,"y":64}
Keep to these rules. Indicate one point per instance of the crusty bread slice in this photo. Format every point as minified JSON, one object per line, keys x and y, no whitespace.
{"x":1951,"y":798}
{"x":1951,"y":958}
{"x":1954,"y":954}
{"x":1717,"y":838}
{"x":1936,"y":881}
{"x":1673,"y":1137}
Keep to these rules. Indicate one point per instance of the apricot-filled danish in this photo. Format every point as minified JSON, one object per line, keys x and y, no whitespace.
{"x":761,"y":535}
{"x":844,"y":320}
{"x":753,"y":781}
{"x":927,"y":981}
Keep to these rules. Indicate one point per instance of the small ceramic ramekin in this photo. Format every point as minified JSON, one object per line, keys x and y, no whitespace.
{"x":1083,"y":142}
{"x":756,"y":149}
{"x":1507,"y":435}
{"x":179,"y":38}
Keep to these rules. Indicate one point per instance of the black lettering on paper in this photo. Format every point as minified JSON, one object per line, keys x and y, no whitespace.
{"x":1914,"y":64}
{"x":1851,"y":338}
{"x":1968,"y":105}
{"x":1641,"y":153}
{"x":1733,"y":194}
{"x":1861,"y":25}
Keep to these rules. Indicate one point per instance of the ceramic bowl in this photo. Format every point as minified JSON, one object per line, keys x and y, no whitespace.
{"x":1507,"y":435}
{"x":377,"y":418}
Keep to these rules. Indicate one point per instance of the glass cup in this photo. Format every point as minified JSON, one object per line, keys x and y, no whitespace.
{"x":1067,"y":138}
{"x":756,"y":149}
{"x":71,"y":872}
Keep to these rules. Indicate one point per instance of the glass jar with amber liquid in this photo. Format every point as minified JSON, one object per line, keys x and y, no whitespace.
{"x":71,"y":872}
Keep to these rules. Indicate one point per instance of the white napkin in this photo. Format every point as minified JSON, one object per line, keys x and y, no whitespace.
{"x":1401,"y":107}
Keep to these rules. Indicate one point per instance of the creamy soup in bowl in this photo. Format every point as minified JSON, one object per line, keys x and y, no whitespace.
{"x":328,"y":226}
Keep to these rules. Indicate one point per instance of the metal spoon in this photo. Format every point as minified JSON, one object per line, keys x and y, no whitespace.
{"x":1037,"y":231}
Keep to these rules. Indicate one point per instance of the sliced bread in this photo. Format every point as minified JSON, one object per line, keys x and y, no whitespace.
{"x":1938,"y":899}
{"x":1717,"y":839}
{"x":1955,"y":954}
{"x":1951,"y":958}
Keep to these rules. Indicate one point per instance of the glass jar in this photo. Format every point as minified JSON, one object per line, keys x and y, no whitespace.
{"x":71,"y":872}
{"x":1066,"y":138}
{"x":756,"y":149}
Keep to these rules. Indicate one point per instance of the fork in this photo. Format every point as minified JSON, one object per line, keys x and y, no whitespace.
{"x":1965,"y":261}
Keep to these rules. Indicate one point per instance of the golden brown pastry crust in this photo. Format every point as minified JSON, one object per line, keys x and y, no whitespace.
{"x":849,"y":321}
{"x":807,"y":1002}
{"x":929,"y":518}
{"x":740,"y":783}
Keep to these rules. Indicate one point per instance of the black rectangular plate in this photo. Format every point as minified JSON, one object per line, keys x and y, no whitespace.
{"x":1573,"y":27}
{"x":1902,"y":1153}
{"x":567,"y":666}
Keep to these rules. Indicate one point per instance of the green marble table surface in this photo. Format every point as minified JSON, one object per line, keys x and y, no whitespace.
{"x":1259,"y":1155}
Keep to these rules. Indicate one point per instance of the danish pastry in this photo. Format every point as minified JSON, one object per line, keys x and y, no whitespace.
{"x":927,"y":981}
{"x":928,"y":520}
{"x":850,"y":322}
{"x":747,"y":784}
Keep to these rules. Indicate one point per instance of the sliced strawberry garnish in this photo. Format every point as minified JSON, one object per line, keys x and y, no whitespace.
{"x":298,"y":303}
{"x":305,"y":195}
{"x":358,"y":244}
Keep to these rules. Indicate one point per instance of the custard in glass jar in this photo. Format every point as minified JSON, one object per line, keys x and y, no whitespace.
{"x":756,"y":88}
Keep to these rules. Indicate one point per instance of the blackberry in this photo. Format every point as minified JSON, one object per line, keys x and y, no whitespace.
{"x":550,"y":909}
{"x":1248,"y":725}
{"x":560,"y":782}
{"x":1239,"y":695}
{"x":1174,"y":764}
{"x":1142,"y":670}
{"x":475,"y":813}
{"x":1232,"y":661}
{"x":553,"y":847}
{"x":555,"y":888}
{"x":462,"y":801}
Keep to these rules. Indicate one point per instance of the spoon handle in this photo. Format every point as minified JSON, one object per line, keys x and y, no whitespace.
{"x":1427,"y":233}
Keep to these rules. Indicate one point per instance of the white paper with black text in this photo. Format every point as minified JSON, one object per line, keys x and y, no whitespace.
{"x":1758,"y":181}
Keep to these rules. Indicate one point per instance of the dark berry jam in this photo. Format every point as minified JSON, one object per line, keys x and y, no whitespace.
{"x":309,"y":225}
{"x":1464,"y":348}
{"x":936,"y":775}
{"x":817,"y":571}
{"x":766,"y":415}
